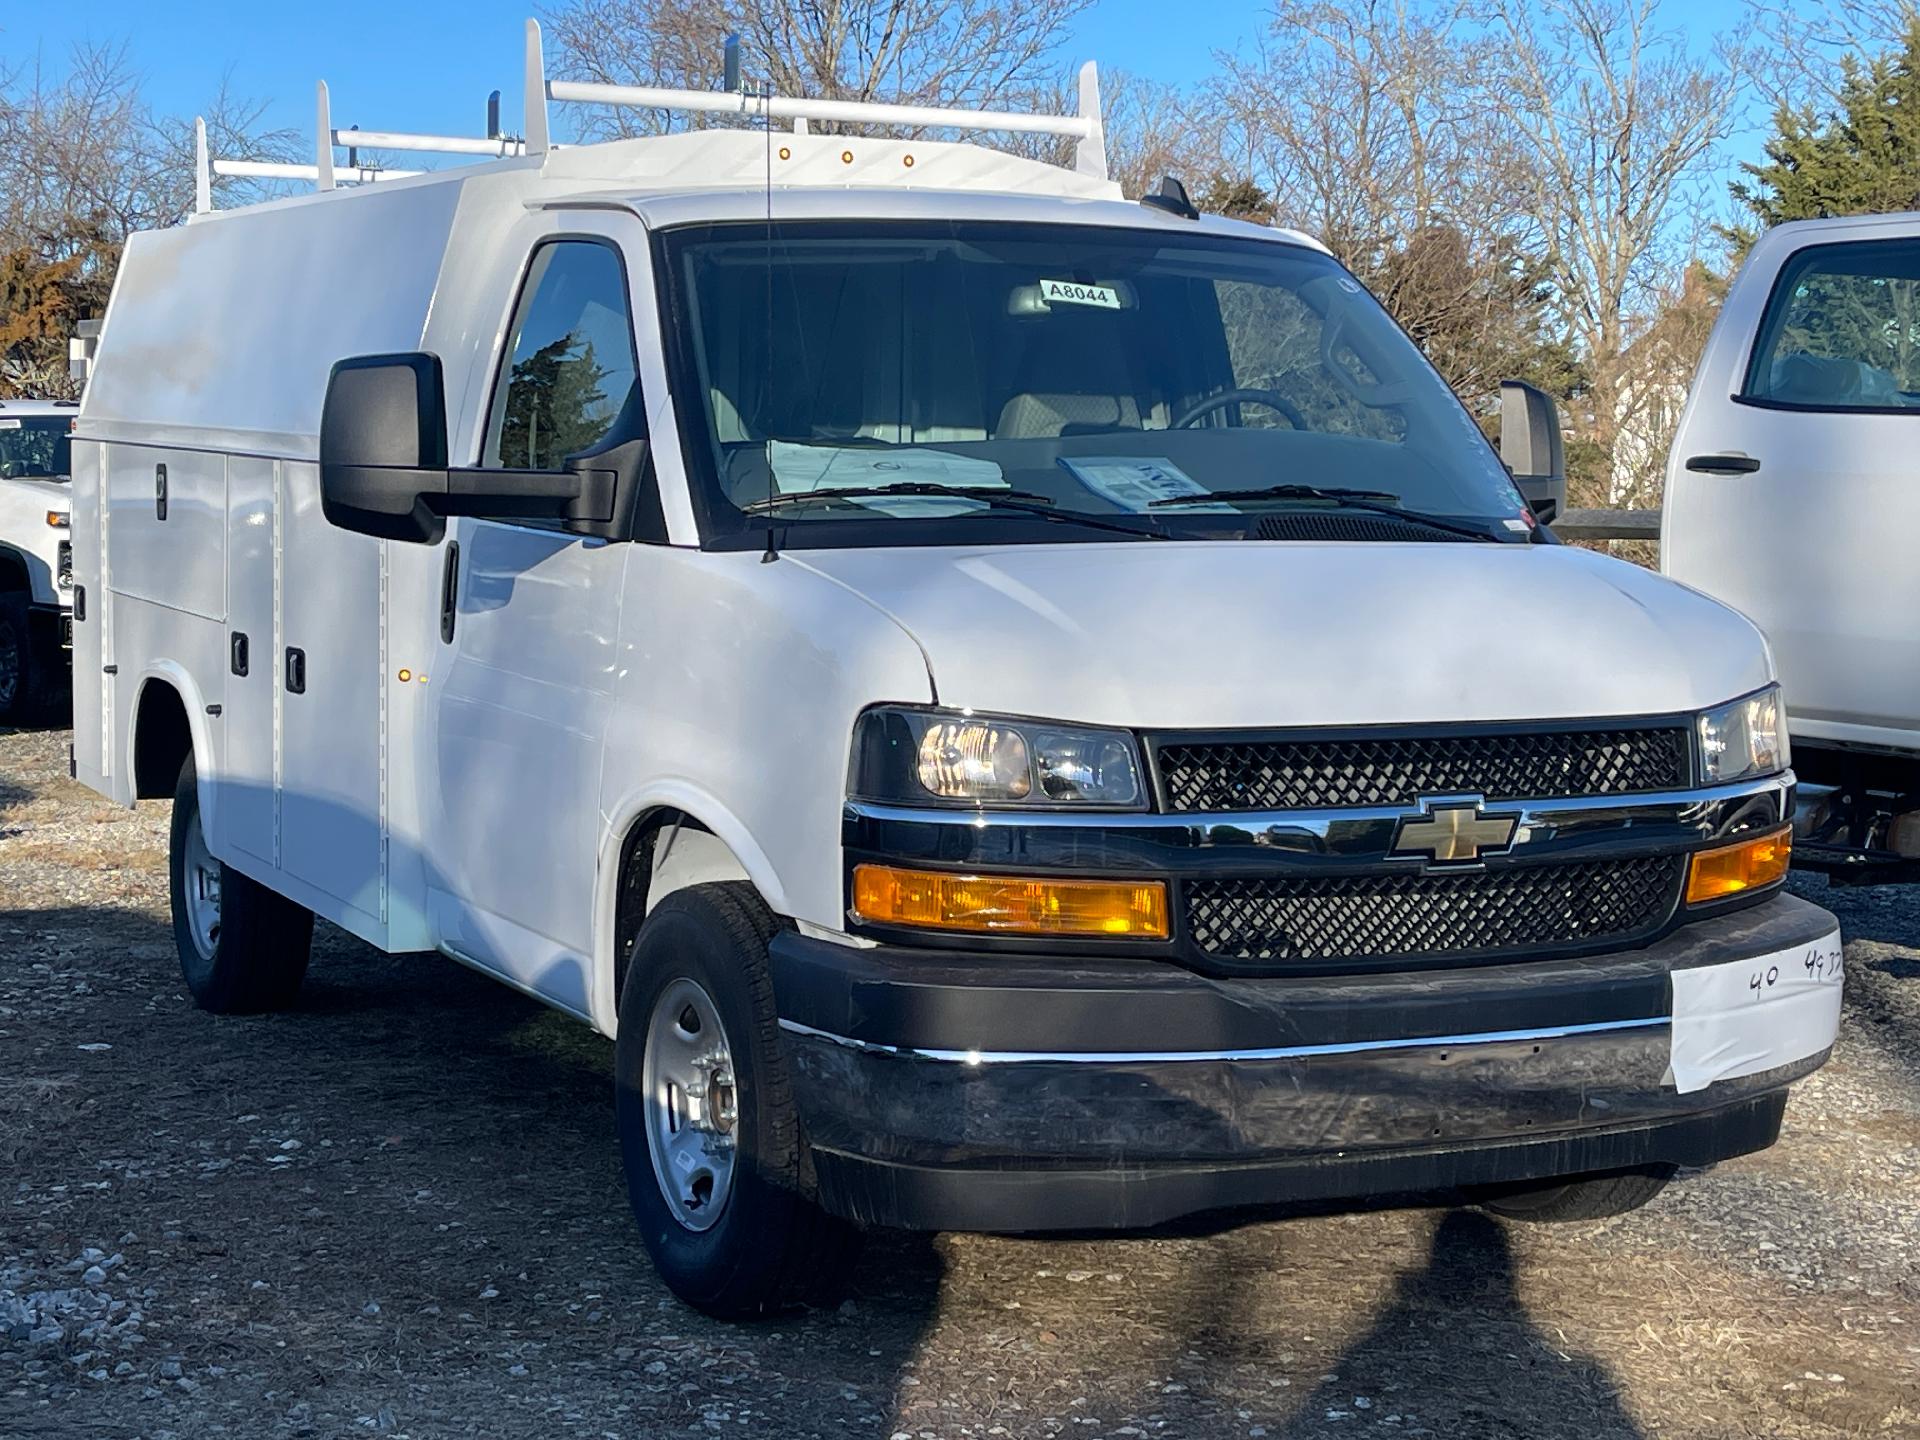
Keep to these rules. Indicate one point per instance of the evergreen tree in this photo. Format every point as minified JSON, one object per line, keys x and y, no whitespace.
{"x":1862,"y":160}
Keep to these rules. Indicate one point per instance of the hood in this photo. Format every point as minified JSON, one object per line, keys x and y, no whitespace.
{"x":1251,"y":634}
{"x":52,"y":494}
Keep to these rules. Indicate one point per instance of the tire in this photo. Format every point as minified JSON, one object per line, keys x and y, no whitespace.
{"x":1580,"y":1197}
{"x":31,"y":688}
{"x":255,"y":955}
{"x":757,"y":1244}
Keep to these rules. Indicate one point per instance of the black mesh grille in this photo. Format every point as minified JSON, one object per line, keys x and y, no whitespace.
{"x":1399,"y":770}
{"x":1537,"y":909}
{"x":1349,"y":525}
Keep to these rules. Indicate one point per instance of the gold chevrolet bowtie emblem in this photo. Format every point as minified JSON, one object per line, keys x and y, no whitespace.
{"x":1451,"y":833}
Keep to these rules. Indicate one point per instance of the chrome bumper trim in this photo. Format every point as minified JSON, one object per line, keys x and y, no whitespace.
{"x":1317,"y":841}
{"x":1283,"y":1052}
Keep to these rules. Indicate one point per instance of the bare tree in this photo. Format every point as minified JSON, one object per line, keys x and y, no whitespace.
{"x":1801,"y":46}
{"x":84,"y":162}
{"x":983,"y":53}
{"x":1620,"y":126}
{"x":1363,"y":122}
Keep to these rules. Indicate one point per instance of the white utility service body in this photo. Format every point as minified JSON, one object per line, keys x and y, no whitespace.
{"x":1790,"y":495}
{"x":962,"y":815}
{"x":36,"y":569}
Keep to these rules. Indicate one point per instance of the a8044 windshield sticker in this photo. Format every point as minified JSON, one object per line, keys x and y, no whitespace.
{"x":1072,"y":292}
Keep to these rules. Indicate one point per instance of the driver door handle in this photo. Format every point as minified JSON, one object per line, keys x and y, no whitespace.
{"x":1722,"y":464}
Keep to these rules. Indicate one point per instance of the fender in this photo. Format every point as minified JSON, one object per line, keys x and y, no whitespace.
{"x":696,"y":803}
{"x":183,"y":685}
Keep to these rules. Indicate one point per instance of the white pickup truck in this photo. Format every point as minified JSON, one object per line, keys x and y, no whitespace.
{"x":1791,"y":495}
{"x":36,"y":557}
{"x":1005,"y":702}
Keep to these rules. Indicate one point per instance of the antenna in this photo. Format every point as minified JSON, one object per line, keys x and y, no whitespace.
{"x":766,"y":395}
{"x":493,"y":115}
{"x":730,"y":65}
{"x":535,"y":80}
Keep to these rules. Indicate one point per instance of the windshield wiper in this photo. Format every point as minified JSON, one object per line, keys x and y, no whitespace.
{"x":1025,"y":502}
{"x":1379,"y":502}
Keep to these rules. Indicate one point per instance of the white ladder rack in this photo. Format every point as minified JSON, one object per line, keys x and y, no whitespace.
{"x":1084,"y":126}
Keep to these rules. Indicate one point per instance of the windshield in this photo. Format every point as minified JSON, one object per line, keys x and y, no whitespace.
{"x":36,"y":448}
{"x":1067,"y":382}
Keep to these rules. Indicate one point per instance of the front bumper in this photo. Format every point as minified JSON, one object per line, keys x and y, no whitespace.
{"x":946,"y":1090}
{"x":52,"y":626}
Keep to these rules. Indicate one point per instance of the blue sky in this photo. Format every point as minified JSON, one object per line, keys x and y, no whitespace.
{"x":428,"y":66}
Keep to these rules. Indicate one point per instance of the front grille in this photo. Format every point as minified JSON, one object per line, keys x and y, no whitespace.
{"x":1284,"y":774}
{"x":1536,"y":909}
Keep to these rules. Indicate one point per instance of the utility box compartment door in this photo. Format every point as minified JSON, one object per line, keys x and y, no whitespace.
{"x":328,"y":666}
{"x":247,"y":813}
{"x":167,"y":527}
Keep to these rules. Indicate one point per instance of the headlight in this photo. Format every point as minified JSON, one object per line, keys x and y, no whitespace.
{"x":930,"y":756}
{"x":1744,"y":737}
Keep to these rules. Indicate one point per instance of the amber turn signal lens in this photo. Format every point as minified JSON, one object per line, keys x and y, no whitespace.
{"x":1009,"y":904}
{"x":1716,"y":874}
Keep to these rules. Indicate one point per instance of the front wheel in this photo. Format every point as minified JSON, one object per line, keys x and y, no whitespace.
{"x":33,"y":686}
{"x":243,"y":948}
{"x":709,"y":1139}
{"x":1580,"y":1197}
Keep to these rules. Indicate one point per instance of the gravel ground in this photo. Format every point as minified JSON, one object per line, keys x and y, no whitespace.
{"x":398,"y":1210}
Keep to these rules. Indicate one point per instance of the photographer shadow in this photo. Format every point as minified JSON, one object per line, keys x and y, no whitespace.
{"x":1457,"y":1317}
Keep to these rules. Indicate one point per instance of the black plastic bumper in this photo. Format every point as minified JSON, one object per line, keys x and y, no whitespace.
{"x":942,"y":1090}
{"x":51,"y":627}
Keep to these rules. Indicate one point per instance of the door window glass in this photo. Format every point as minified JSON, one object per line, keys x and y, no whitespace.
{"x":570,"y":360}
{"x":1842,"y":330}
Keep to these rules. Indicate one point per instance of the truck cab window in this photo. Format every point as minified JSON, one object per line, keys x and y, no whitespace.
{"x":570,"y":358}
{"x":1842,"y":330}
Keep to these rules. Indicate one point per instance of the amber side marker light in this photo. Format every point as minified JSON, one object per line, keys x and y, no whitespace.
{"x":1716,"y":874}
{"x":1009,"y":904}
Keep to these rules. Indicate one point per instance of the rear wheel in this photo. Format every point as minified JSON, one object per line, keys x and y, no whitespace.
{"x":715,"y":1161}
{"x":1580,"y":1197}
{"x":243,"y":948}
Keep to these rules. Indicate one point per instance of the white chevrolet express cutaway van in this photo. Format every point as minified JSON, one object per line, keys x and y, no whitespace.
{"x":1014,"y":708}
{"x":1790,"y":494}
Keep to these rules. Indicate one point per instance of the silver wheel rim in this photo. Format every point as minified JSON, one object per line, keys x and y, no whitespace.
{"x":202,"y":885}
{"x":692,"y":1104}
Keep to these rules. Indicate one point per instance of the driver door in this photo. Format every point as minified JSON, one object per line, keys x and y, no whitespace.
{"x":524,"y":692}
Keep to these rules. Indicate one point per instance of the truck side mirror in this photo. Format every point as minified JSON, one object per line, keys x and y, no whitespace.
{"x":383,"y":462}
{"x":1531,"y":448}
{"x":383,"y":446}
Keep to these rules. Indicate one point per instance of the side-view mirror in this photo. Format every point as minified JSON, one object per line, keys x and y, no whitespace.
{"x":1531,"y":448}
{"x":384,"y":471}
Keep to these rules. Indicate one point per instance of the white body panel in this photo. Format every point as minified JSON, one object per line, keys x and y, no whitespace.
{"x":475,"y":794}
{"x":1816,"y":545}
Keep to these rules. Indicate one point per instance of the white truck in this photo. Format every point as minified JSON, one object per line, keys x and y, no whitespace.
{"x":1790,"y":495}
{"x":1002,"y":701}
{"x":36,"y":558}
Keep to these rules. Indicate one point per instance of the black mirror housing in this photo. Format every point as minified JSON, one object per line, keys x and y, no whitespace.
{"x":1531,"y":447}
{"x":383,"y":446}
{"x":384,"y":471}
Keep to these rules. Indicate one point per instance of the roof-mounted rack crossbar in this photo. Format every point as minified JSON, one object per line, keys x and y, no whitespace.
{"x":325,"y":173}
{"x":1084,"y":125}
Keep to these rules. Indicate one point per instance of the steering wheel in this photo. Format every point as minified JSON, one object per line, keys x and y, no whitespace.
{"x":1272,"y":399}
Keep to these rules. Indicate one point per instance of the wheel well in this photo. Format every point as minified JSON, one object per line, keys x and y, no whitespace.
{"x":698,"y":856}
{"x":162,"y":741}
{"x":13,"y":572}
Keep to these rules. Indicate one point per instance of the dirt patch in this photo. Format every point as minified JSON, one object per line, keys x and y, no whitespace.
{"x":398,"y":1211}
